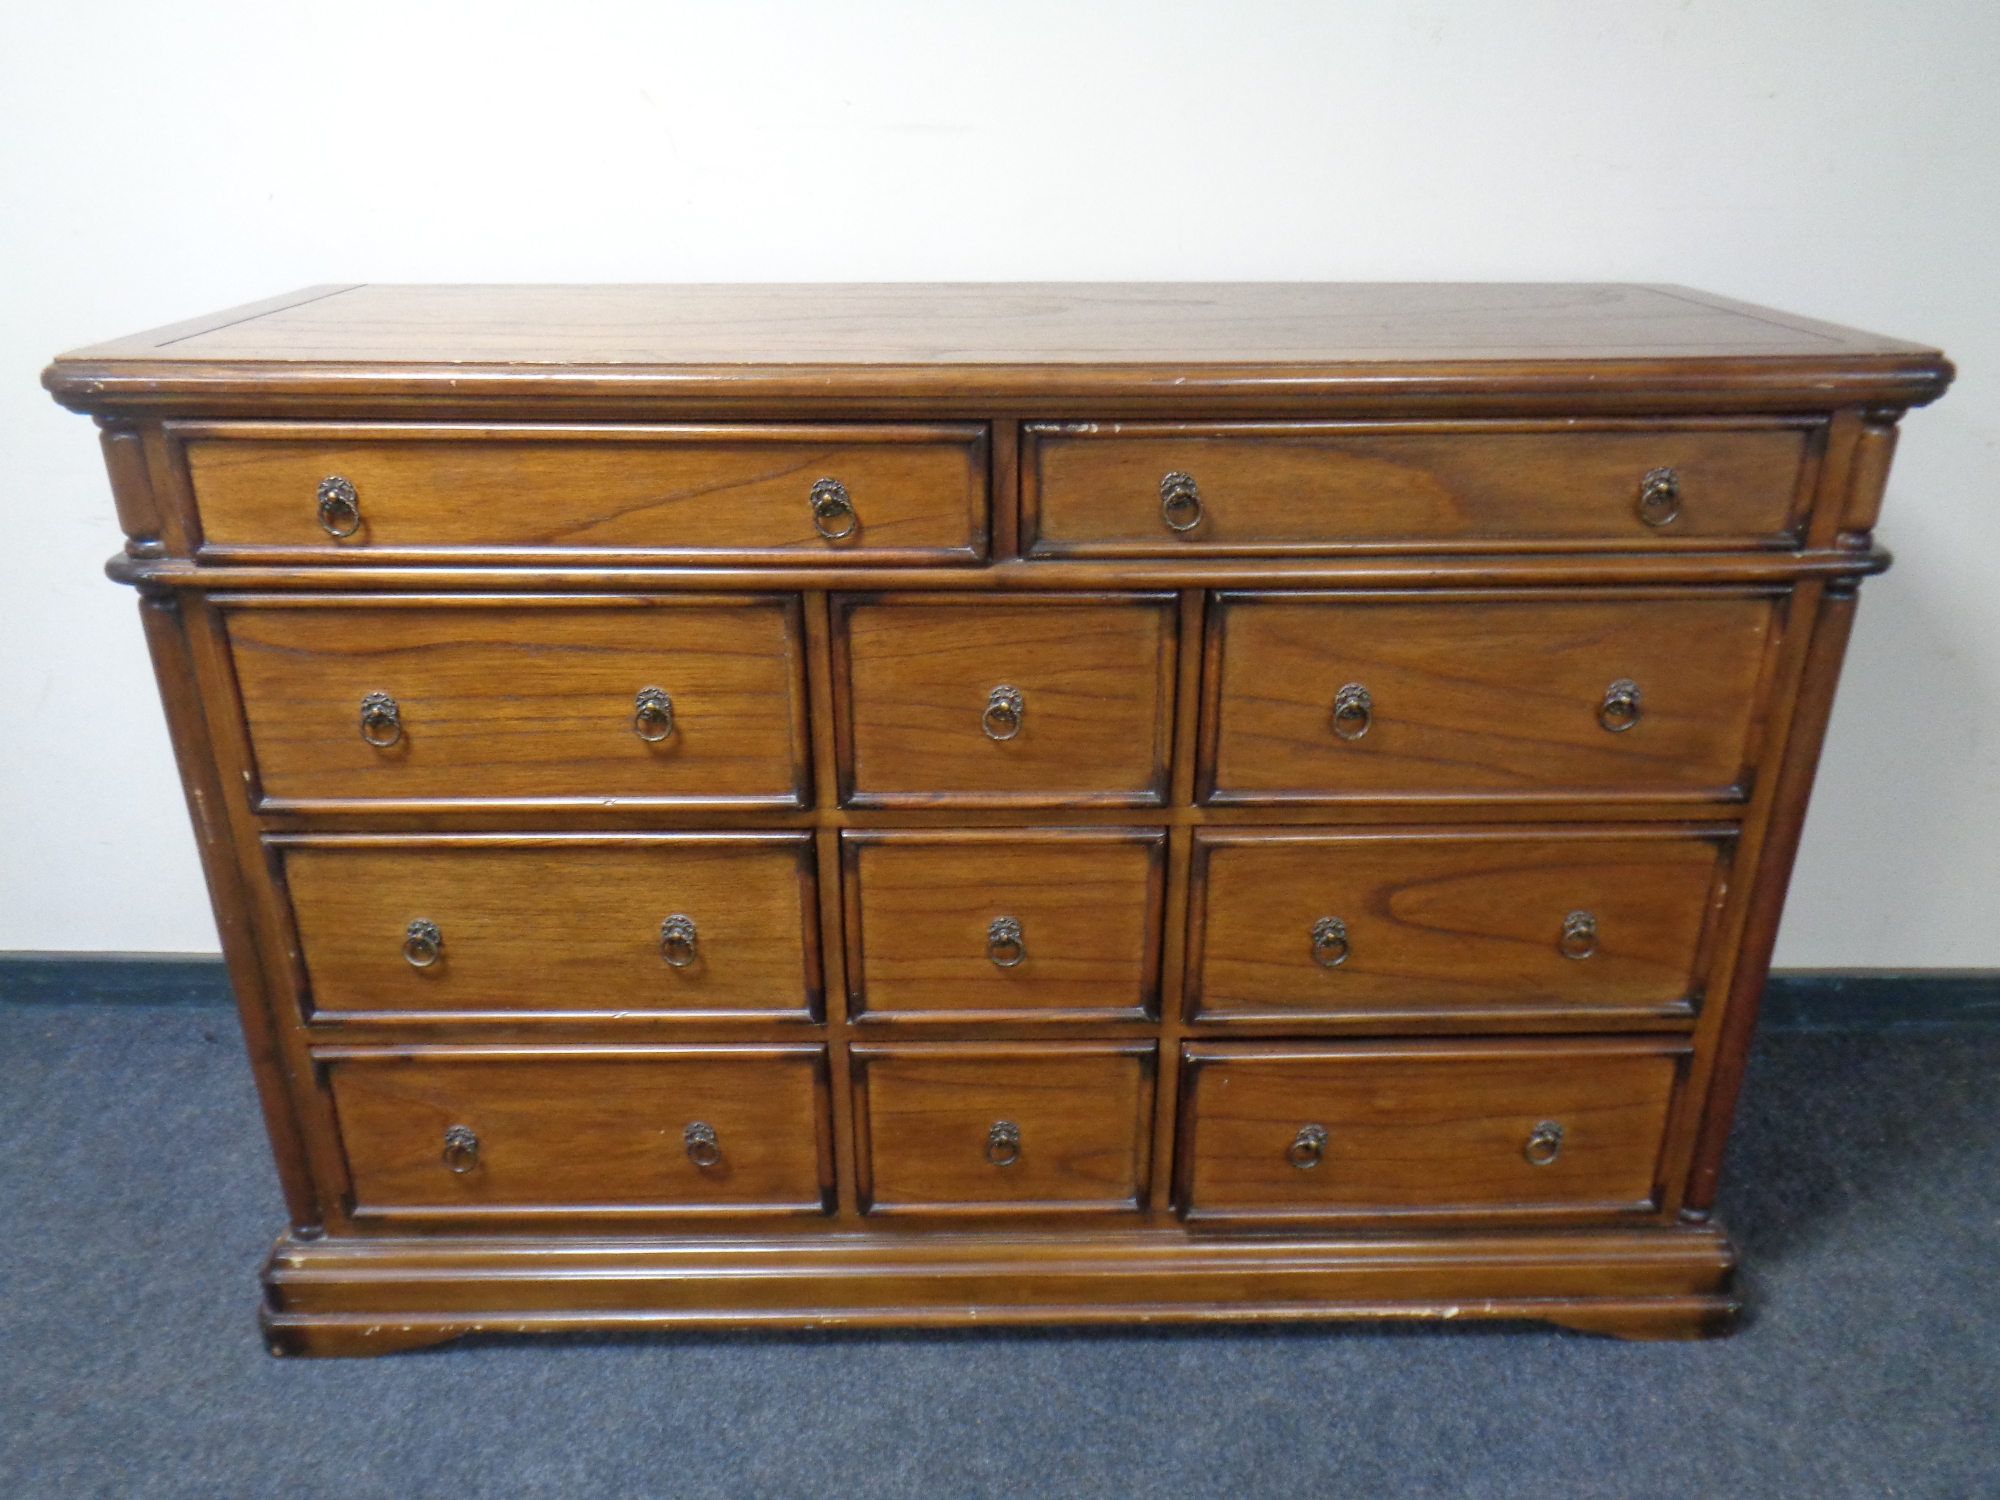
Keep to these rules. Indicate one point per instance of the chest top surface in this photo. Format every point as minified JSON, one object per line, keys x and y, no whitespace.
{"x":959,"y":342}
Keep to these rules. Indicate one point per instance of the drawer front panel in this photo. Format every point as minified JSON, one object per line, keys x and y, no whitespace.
{"x":1324,"y":697}
{"x":999,"y":924}
{"x":1037,"y":701}
{"x":1494,"y":1129}
{"x":687,"y":924}
{"x":707,"y":493}
{"x":1103,"y":488}
{"x":438,"y":1132}
{"x":502,"y":701}
{"x":1403,"y":924}
{"x":1030,"y":1127}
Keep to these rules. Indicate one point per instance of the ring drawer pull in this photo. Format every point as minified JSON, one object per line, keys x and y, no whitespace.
{"x":1330,"y":947}
{"x":1579,"y":937}
{"x":339,"y":507}
{"x":1545,"y":1143}
{"x":1004,"y":707}
{"x":1620,"y":709}
{"x":461,"y":1148}
{"x":1003,"y":1143}
{"x":381,"y":720}
{"x":652,"y":715}
{"x":423,"y":944}
{"x":1180,"y":502}
{"x":677,"y":940}
{"x":1353,"y":711}
{"x":1003,"y":942}
{"x":1659,"y":497}
{"x":1308,"y":1147}
{"x":830,"y":503}
{"x":702,"y":1147}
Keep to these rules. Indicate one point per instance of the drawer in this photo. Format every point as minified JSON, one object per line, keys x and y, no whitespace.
{"x":449,"y":1132}
{"x":513,"y":925}
{"x":1033,"y":700}
{"x":1024,"y":1128}
{"x":1331,"y":697}
{"x":1563,"y":926}
{"x":1004,"y":924}
{"x":515,"y":702}
{"x":1500,"y":1130}
{"x":705,"y":493}
{"x":1145,"y":488}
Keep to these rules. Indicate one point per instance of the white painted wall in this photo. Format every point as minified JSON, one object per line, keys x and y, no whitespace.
{"x":1827,"y":156}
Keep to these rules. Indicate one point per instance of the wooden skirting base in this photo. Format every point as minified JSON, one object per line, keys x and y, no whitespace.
{"x":375,"y":1296}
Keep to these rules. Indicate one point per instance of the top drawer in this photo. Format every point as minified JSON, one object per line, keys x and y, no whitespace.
{"x":1153,"y":488}
{"x":388,"y":491}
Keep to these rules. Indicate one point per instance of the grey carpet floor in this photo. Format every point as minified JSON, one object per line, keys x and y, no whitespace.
{"x":136,"y":1202}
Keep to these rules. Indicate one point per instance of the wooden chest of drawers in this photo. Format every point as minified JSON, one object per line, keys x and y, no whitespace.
{"x":861,"y":805}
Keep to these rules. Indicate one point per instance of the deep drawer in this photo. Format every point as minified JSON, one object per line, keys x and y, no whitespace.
{"x":691,"y":924}
{"x":1327,"y":697}
{"x":1399,"y":924}
{"x":1496,"y":1129}
{"x":1146,"y":488}
{"x":443,"y":1132}
{"x":435,"y":700}
{"x":1035,"y":700}
{"x":704,"y":493}
{"x":1015,"y":1128}
{"x":996,"y":924}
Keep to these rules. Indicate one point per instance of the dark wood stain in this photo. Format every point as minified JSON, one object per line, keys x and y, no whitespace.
{"x":568,"y":495}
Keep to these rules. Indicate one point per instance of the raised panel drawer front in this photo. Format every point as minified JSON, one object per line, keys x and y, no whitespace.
{"x":1034,"y":700}
{"x":685,"y":924}
{"x":678,"y":700}
{"x":995,"y":924}
{"x":1328,"y":697}
{"x":460,"y":1132}
{"x":705,"y":493}
{"x":1402,"y":924}
{"x":1530,"y":1129}
{"x":1144,"y":488}
{"x":1032,"y":1127}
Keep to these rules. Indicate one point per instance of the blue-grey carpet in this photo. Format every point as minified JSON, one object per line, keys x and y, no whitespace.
{"x":136,"y":1202}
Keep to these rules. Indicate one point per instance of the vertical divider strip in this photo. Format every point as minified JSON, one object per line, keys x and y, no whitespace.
{"x":1173,"y":937}
{"x":833,"y":943}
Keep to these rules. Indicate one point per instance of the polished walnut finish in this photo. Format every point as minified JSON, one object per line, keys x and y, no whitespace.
{"x":509,"y":914}
{"x":705,"y":494}
{"x":904,"y":805}
{"x":1499,"y":1130}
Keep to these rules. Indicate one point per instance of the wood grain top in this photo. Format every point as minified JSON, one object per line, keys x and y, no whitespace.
{"x":971,"y":340}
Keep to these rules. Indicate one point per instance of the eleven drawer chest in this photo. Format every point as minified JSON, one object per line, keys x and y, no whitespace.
{"x":827,"y":805}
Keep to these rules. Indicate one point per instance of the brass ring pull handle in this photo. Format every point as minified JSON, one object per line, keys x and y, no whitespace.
{"x":1003,"y":942}
{"x":1620,"y":709}
{"x":1330,"y":947}
{"x":461,"y":1148}
{"x":703,"y":1149}
{"x":423,"y":944}
{"x":677,"y":940}
{"x":830,"y":504}
{"x":1308,"y":1147}
{"x":652,"y":715}
{"x":1579,"y":935}
{"x":1353,"y":711}
{"x":1003,"y":1143}
{"x":1659,"y":497}
{"x":1004,"y":708}
{"x":1180,"y":502}
{"x":339,"y":507}
{"x":381,"y":720}
{"x":1545,"y":1143}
